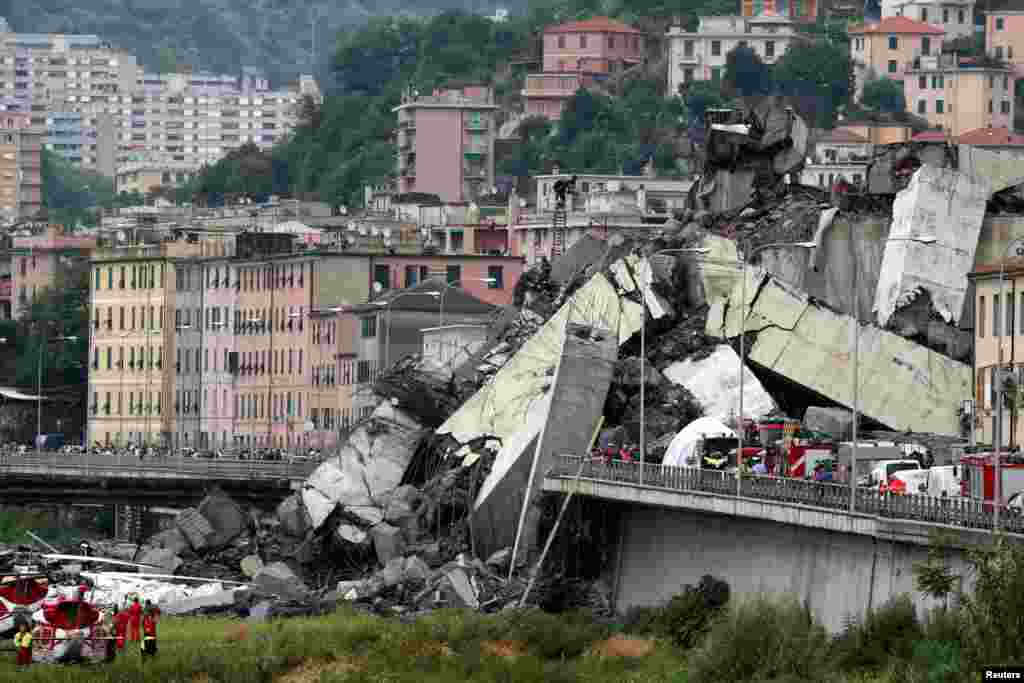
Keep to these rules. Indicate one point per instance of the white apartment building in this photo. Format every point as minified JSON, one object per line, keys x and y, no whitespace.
{"x":838,"y":154}
{"x":955,"y":16}
{"x":102,"y":110}
{"x":701,"y":56}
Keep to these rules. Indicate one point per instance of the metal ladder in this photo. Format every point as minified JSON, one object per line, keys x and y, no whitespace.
{"x":558,"y":224}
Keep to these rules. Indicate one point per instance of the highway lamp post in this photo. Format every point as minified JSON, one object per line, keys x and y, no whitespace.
{"x":855,"y":343}
{"x":1003,"y":321}
{"x":644,"y":269}
{"x":387,"y":314}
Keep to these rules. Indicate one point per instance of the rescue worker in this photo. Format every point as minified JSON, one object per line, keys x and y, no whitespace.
{"x":120,"y":620}
{"x":23,"y":643}
{"x":149,"y":633}
{"x":134,"y":620}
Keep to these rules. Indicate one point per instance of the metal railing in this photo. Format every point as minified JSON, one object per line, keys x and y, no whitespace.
{"x":948,"y":511}
{"x":153,"y":467}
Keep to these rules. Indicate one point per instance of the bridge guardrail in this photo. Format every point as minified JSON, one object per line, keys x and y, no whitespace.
{"x":953,"y":512}
{"x":158,"y":466}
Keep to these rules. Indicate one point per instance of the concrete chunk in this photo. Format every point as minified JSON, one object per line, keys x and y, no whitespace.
{"x":278,"y":578}
{"x":416,"y":569}
{"x":171,"y":539}
{"x":224,"y":598}
{"x":352,"y":534}
{"x":393,"y":572}
{"x":387,"y":542}
{"x":195,"y":528}
{"x":164,"y":558}
{"x":293,"y":516}
{"x":226,"y":518}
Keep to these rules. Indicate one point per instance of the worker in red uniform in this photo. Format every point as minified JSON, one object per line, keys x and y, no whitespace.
{"x":23,"y":643}
{"x":149,"y":633}
{"x":120,"y":620}
{"x":134,"y":620}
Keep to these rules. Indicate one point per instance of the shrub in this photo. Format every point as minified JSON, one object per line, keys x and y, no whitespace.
{"x":687,"y":615}
{"x":763,"y":638}
{"x":992,"y":615}
{"x":887,"y":633}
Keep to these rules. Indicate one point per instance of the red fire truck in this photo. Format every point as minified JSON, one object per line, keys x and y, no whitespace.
{"x":800,"y":450}
{"x":978,"y":478}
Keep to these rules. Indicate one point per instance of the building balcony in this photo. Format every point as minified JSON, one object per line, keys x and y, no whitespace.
{"x":689,"y":60}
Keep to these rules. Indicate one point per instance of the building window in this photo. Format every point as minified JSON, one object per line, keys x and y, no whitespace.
{"x":369,"y":327}
{"x":892,"y":66}
{"x":496,"y":275}
{"x":454,"y":274}
{"x":611,"y":42}
{"x":997,"y":325}
{"x":894,"y":43}
{"x":716,"y":48}
{"x":1004,"y":107}
{"x":583,"y":40}
{"x":1000,"y":24}
{"x":940,"y":107}
{"x":688,"y":75}
{"x":382,"y":276}
{"x":688,"y":48}
{"x":945,"y":16}
{"x":981,"y":317}
{"x":990,"y":110}
{"x":924,"y":14}
{"x":1009,"y":315}
{"x":410,"y":276}
{"x":561,"y":42}
{"x":999,"y":55}
{"x":363,"y":372}
{"x":938,"y":82}
{"x":926,"y":45}
{"x":922,"y":82}
{"x":769,"y":48}
{"x":97,"y":278}
{"x":922,"y":107}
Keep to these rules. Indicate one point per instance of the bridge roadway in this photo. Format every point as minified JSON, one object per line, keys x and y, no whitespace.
{"x":907,"y":518}
{"x":165,"y":480}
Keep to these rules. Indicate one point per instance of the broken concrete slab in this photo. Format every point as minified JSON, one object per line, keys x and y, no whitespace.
{"x":293,"y":516}
{"x":416,"y":569}
{"x":387,"y":542}
{"x":715,"y":383}
{"x":398,"y":510}
{"x":902,"y":384}
{"x":194,"y":527}
{"x":164,"y":558}
{"x":393,"y":572}
{"x":499,"y":559}
{"x":458,"y":579}
{"x":227,"y":519}
{"x":251,"y":565}
{"x":172,"y":539}
{"x":277,"y":578}
{"x":949,"y":207}
{"x":352,"y":534}
{"x":1000,"y":168}
{"x":224,"y":598}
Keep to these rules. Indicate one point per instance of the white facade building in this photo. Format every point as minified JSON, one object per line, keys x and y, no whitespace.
{"x":955,"y":16}
{"x":701,"y":56}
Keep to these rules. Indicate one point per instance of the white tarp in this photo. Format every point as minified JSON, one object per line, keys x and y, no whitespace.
{"x":949,"y":206}
{"x":115,"y":590}
{"x":715,"y":383}
{"x":681,"y":452}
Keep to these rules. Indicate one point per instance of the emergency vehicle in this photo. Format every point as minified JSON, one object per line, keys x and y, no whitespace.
{"x":978,"y":477}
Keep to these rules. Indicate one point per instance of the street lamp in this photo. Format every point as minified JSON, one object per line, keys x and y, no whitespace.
{"x":644,"y":267}
{"x":387,"y":311}
{"x":39,"y":388}
{"x":1016,"y":245}
{"x":444,"y":290}
{"x":855,"y":334}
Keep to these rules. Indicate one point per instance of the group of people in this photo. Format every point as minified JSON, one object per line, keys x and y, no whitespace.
{"x":136,"y":623}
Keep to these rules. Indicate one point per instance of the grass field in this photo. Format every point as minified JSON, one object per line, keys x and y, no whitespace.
{"x":347,"y":646}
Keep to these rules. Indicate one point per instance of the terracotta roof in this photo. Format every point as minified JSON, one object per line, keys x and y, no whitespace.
{"x":990,"y":136}
{"x":930,"y":136}
{"x":595,"y":25}
{"x":1014,"y":266}
{"x":898,"y":25}
{"x":841,"y":135}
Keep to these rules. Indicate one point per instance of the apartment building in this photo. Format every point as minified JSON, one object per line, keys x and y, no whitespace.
{"x":957,"y":95}
{"x":111,"y":113}
{"x":798,"y":10}
{"x":889,"y":48}
{"x":955,"y":17}
{"x":38,"y":260}
{"x":701,"y":56}
{"x":21,"y":180}
{"x":577,"y":55}
{"x":838,"y":154}
{"x":446,"y":142}
{"x":141,"y":177}
{"x":485,"y":277}
{"x":1004,"y":32}
{"x":389,"y":327}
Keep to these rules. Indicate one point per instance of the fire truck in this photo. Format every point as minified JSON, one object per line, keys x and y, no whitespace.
{"x":798,"y":450}
{"x":978,"y":477}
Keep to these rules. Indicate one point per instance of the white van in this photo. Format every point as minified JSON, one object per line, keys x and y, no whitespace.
{"x":934,"y":481}
{"x":884,"y":469}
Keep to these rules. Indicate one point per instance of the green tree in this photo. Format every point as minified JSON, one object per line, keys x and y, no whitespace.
{"x":884,"y":95}
{"x":168,"y":60}
{"x":819,"y":70}
{"x":746,"y":74}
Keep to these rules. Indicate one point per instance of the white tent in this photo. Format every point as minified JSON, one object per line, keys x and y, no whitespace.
{"x":681,"y":452}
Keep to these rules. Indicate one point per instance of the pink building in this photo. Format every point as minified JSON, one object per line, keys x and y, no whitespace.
{"x":575,"y":55}
{"x":1004,"y":33}
{"x":959,"y":96}
{"x":472,"y":270}
{"x":220,"y":385}
{"x":446,"y":143}
{"x":37,"y":259}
